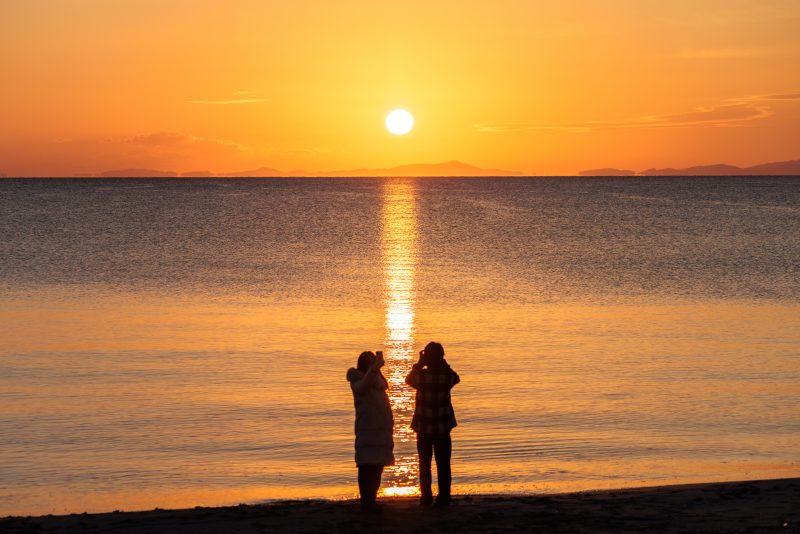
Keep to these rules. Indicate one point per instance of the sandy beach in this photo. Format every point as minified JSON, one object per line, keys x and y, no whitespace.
{"x":753,"y":506}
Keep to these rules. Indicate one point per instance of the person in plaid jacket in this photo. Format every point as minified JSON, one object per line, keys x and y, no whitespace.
{"x":433,"y":420}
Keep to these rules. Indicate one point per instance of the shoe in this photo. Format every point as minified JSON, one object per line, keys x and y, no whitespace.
{"x":426,"y":500}
{"x":442,"y":502}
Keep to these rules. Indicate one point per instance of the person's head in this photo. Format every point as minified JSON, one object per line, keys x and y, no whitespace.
{"x":434,"y":353}
{"x":365,"y":361}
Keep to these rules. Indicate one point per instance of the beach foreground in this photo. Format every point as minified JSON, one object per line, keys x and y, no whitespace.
{"x":755,"y":506}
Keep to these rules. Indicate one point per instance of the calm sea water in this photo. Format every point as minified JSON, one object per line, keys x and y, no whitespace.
{"x":185,"y":342}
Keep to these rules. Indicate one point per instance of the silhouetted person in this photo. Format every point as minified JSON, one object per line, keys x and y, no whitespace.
{"x":433,"y":420}
{"x":374,"y":422}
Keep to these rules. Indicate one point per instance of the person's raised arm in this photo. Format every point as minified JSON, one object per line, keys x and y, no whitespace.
{"x":366,"y":381}
{"x":413,"y":377}
{"x":454,"y":378}
{"x":372,"y":374}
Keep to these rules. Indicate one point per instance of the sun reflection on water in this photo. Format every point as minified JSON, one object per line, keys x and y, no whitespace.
{"x":399,"y":256}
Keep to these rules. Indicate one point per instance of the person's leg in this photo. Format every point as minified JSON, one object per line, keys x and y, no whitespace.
{"x":363,"y":484}
{"x":443,"y":448}
{"x":369,"y":480}
{"x":425,"y":451}
{"x":377,"y":471}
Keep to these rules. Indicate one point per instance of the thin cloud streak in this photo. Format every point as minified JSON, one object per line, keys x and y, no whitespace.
{"x":722,"y":53}
{"x":787,"y":96}
{"x":729,"y":114}
{"x":172,"y":140}
{"x":229,"y":102}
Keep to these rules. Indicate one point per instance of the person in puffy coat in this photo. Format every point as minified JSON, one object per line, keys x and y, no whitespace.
{"x":374,"y":422}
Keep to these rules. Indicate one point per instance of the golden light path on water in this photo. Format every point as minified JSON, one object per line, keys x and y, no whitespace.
{"x":399,"y":258}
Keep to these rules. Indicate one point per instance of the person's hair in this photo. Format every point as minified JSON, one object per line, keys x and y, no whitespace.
{"x":365,"y":360}
{"x":434,"y":353}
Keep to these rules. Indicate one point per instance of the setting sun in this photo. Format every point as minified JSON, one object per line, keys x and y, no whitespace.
{"x":399,"y":122}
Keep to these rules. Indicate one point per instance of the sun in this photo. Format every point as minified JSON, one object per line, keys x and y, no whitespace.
{"x":399,"y":122}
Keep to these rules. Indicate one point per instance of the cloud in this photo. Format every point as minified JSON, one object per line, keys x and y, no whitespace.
{"x":169,"y":151}
{"x":727,"y":14}
{"x":252,"y":97}
{"x":787,"y":96}
{"x":235,"y":101}
{"x":177,"y":141}
{"x":729,"y":52}
{"x":503,"y":127}
{"x":729,"y":113}
{"x":721,"y":53}
{"x":313,"y":151}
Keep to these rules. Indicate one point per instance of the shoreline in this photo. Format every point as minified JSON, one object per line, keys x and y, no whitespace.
{"x":758,"y":505}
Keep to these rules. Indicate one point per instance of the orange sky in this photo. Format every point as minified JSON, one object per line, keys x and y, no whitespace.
{"x":536,"y":86}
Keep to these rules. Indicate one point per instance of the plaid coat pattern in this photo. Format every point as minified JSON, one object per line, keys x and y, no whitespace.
{"x":433,"y":411}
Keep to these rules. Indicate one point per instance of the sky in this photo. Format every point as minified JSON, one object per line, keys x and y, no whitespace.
{"x":539,"y":87}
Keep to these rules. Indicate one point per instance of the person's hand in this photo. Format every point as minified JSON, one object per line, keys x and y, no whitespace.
{"x":379,"y":361}
{"x":421,"y":361}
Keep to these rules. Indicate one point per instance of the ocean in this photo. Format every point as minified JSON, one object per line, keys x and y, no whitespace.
{"x":181,"y":342}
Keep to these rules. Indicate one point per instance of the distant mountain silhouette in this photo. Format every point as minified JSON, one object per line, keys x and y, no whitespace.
{"x":458,"y":168}
{"x":607,"y":172}
{"x":261,"y":172}
{"x":138,"y":173}
{"x":448,"y":168}
{"x":781,"y":168}
{"x":198,"y":174}
{"x":700,"y":170}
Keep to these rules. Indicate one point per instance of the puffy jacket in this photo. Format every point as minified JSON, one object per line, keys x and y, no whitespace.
{"x":374,"y":421}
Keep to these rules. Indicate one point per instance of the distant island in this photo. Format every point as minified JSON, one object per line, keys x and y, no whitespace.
{"x":607,"y":172}
{"x":458,"y":168}
{"x":780,"y":168}
{"x":135,"y":173}
{"x":448,"y":168}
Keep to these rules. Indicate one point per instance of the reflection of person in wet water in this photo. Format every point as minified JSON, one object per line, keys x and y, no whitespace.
{"x":433,"y":420}
{"x":374,"y":422}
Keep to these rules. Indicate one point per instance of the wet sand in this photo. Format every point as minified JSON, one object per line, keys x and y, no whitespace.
{"x":753,"y":506}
